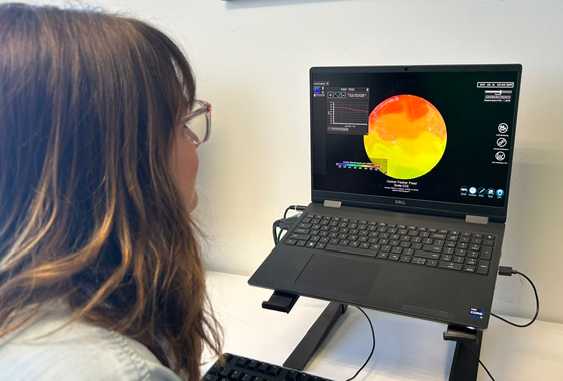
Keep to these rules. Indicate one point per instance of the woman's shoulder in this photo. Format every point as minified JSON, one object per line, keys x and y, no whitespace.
{"x":47,"y":348}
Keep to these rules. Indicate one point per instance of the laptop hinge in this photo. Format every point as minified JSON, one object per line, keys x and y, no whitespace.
{"x":477,"y":219}
{"x":332,"y":203}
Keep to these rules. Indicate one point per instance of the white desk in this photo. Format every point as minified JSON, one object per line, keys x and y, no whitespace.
{"x":406,"y":348}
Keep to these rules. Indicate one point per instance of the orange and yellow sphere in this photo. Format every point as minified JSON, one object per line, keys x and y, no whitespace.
{"x":407,"y":136}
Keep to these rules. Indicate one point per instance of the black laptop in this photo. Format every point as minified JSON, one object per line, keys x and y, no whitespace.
{"x":410,"y":174}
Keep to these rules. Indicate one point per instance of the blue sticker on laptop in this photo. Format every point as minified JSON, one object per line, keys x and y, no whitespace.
{"x":477,"y":313}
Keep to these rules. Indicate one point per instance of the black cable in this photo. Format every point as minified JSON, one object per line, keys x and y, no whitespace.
{"x":297,"y":208}
{"x":480,"y":362}
{"x":507,"y":271}
{"x":283,"y":224}
{"x":274,"y":226}
{"x":286,"y":222}
{"x":372,"y":347}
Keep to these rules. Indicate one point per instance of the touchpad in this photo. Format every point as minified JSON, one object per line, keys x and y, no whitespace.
{"x":344,"y":274}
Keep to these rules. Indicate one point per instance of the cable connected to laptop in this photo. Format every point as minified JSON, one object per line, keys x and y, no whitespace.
{"x":372,"y":346}
{"x":285,"y":223}
{"x":508,"y":271}
{"x":296,"y":208}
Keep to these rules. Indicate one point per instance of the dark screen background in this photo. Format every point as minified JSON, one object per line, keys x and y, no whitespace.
{"x":472,"y":129}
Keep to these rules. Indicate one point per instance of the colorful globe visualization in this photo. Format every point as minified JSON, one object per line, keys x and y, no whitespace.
{"x":408,"y":134}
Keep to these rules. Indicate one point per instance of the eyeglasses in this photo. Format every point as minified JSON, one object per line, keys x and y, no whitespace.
{"x":197,"y":124}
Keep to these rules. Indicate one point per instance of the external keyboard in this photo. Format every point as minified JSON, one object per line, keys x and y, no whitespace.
{"x":455,"y":250}
{"x":239,"y":368}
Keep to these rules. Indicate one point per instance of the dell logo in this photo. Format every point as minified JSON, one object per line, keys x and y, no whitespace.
{"x":400,"y":202}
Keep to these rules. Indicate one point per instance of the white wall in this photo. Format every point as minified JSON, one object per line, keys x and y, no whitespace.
{"x":252,"y":57}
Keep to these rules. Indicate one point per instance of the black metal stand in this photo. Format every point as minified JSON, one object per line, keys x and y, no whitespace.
{"x":303,"y":352}
{"x":464,"y":364}
{"x":281,"y":301}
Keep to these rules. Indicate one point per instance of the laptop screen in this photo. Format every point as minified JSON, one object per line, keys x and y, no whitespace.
{"x":426,"y":138}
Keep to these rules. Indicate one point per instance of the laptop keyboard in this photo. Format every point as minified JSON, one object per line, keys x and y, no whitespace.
{"x":455,"y":250}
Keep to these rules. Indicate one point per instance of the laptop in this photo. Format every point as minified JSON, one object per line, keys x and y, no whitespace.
{"x":410,"y":175}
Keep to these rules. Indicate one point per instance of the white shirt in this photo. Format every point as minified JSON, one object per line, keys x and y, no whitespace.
{"x":79,"y":351}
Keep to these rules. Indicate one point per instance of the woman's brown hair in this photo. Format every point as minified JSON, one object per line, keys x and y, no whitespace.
{"x":89,"y":211}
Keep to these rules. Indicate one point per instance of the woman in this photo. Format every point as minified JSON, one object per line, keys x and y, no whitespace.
{"x":100,"y":271}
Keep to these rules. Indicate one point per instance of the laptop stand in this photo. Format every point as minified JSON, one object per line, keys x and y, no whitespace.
{"x":464,"y":364}
{"x":303,"y":352}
